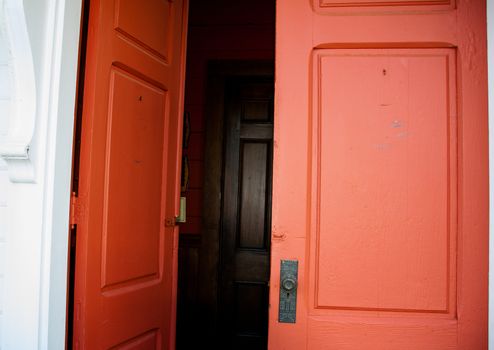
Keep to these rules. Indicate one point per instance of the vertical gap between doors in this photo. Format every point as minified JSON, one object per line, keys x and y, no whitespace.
{"x":75,"y":172}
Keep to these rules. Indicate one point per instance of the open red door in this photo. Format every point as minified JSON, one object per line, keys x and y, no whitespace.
{"x":125,"y":281}
{"x":381,"y":175}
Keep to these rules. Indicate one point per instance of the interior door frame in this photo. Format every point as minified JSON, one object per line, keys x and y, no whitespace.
{"x":209,"y":253}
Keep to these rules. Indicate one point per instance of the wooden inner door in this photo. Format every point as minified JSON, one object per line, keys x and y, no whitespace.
{"x":200,"y":282}
{"x":246,"y":214}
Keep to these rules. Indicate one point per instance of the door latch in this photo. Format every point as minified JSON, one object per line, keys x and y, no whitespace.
{"x":180,"y":218}
{"x":288,"y":291}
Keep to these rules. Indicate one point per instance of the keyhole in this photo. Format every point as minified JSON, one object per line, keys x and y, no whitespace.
{"x":384,"y":72}
{"x":140,"y":98}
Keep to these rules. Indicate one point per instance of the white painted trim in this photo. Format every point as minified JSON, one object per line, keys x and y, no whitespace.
{"x":490,"y":67}
{"x":58,"y":171}
{"x":15,"y":148}
{"x":35,"y":287}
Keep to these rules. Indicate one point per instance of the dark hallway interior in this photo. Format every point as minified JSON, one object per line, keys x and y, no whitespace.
{"x":230,"y":48}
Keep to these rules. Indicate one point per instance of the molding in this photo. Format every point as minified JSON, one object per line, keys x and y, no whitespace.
{"x":14,"y":149}
{"x":362,"y":3}
{"x":490,"y":66}
{"x":336,"y":7}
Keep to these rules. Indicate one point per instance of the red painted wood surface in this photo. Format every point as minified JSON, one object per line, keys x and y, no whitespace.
{"x":125,"y":286}
{"x":380,"y":174}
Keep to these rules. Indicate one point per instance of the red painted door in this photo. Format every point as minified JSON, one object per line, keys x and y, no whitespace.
{"x":380,"y":172}
{"x":125,"y":281}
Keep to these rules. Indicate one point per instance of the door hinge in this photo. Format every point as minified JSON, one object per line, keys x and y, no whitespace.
{"x":76,"y":210}
{"x":170,"y":222}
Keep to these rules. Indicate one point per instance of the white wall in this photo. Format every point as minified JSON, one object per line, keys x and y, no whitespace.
{"x":490,"y":53}
{"x":3,"y":233}
{"x":34,"y":232}
{"x":4,"y":109}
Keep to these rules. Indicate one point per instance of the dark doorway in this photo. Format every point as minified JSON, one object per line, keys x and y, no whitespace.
{"x":224,"y":245}
{"x":224,"y":270}
{"x":246,"y":211}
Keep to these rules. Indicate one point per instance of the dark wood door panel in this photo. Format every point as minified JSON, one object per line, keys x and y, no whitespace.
{"x":252,"y":201}
{"x":246,"y":213}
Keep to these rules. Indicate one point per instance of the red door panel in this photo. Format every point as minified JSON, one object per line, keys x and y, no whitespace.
{"x":381,"y":124}
{"x":126,"y":247}
{"x":131,"y":202}
{"x":382,"y":180}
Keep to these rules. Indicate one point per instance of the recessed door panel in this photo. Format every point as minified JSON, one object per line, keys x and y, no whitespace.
{"x":131,"y":233}
{"x":146,"y":341}
{"x":392,"y":3}
{"x":251,"y":315}
{"x":256,"y":110}
{"x":385,"y":180}
{"x":146,"y":23}
{"x":254,"y":167}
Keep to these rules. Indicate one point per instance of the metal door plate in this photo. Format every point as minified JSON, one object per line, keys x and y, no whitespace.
{"x":288,"y":291}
